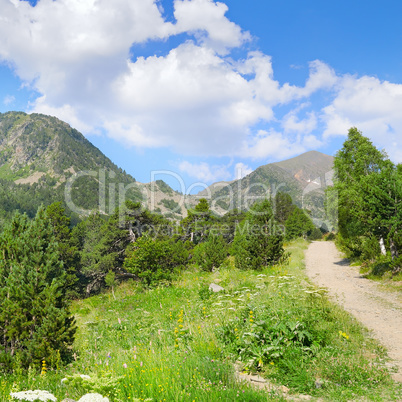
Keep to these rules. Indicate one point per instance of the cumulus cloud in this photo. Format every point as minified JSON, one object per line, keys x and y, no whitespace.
{"x":371,"y":105}
{"x":204,"y":172}
{"x":207,"y":20}
{"x":195,"y":99}
{"x":272,"y":144}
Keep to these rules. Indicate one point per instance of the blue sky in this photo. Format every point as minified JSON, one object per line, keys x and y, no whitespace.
{"x":207,"y":89}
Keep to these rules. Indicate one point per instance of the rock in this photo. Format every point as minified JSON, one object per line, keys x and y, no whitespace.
{"x":304,"y":397}
{"x":215,"y":288}
{"x":318,"y":383}
{"x":257,"y":378}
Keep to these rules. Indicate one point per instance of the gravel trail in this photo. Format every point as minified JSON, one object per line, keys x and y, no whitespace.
{"x":378,"y":310}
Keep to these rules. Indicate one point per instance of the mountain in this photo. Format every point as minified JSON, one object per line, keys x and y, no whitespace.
{"x":308,"y":167}
{"x":43,"y":160}
{"x":304,"y":177}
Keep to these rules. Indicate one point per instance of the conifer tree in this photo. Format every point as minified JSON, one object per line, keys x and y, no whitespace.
{"x":212,"y":253}
{"x":298,"y":224}
{"x":60,"y":224}
{"x":35,"y":322}
{"x":259,"y":241}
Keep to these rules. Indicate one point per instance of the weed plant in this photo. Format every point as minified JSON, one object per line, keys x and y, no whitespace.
{"x":180,"y":342}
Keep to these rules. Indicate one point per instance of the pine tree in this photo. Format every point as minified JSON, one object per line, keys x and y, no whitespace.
{"x":212,"y":253}
{"x":60,"y":224}
{"x":298,"y":224}
{"x":35,"y":321}
{"x":283,"y":207}
{"x":259,"y":241}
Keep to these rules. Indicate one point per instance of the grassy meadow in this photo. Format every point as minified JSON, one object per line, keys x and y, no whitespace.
{"x":180,"y":342}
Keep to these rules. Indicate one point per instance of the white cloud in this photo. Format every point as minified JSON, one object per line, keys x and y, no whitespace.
{"x":241,"y":170}
{"x":292,"y":123}
{"x":373,"y":106}
{"x":204,"y":172}
{"x":195,"y":100}
{"x":8,"y":100}
{"x":272,"y":144}
{"x":207,"y":19}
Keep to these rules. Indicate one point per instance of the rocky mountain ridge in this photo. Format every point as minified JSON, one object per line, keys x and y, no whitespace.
{"x":41,"y":155}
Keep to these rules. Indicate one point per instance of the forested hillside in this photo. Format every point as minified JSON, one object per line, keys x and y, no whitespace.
{"x":40,"y":155}
{"x":304,"y":178}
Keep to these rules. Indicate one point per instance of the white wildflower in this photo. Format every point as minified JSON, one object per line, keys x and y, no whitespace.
{"x":93,"y":398}
{"x":85,"y":377}
{"x":31,"y":396}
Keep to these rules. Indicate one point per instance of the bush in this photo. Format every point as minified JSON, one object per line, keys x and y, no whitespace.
{"x":259,"y":241}
{"x":330,"y":236}
{"x":315,"y":234}
{"x":211,"y":254}
{"x":299,"y":224}
{"x":153,"y":260}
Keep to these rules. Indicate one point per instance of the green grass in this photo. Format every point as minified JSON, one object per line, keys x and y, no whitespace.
{"x":8,"y":174}
{"x":179,"y":342}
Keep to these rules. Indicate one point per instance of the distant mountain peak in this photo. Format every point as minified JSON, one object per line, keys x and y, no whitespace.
{"x":308,"y":166}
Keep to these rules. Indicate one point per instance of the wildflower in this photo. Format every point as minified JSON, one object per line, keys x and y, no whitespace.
{"x":93,"y":398}
{"x":44,"y":369}
{"x":125,"y":365}
{"x":33,"y":396}
{"x":118,"y":319}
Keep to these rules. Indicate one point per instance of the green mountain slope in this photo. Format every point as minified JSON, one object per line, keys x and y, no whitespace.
{"x":37,"y":143}
{"x":41,"y":157}
{"x":40,"y":154}
{"x":304,"y":177}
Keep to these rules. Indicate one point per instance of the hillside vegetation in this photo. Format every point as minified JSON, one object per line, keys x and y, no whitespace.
{"x":304,"y":178}
{"x":120,"y":303}
{"x":40,"y":155}
{"x":180,"y":342}
{"x":367,"y":203}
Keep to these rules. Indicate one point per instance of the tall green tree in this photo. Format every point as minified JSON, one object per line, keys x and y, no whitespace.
{"x":368,"y":186}
{"x":259,"y":240}
{"x":198,"y":222}
{"x":382,"y":205}
{"x":60,"y":225}
{"x":103,"y":241}
{"x":357,"y":159}
{"x":298,"y":224}
{"x":35,"y":321}
{"x":283,"y":206}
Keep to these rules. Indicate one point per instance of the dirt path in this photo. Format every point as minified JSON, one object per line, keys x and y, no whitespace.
{"x":378,"y":310}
